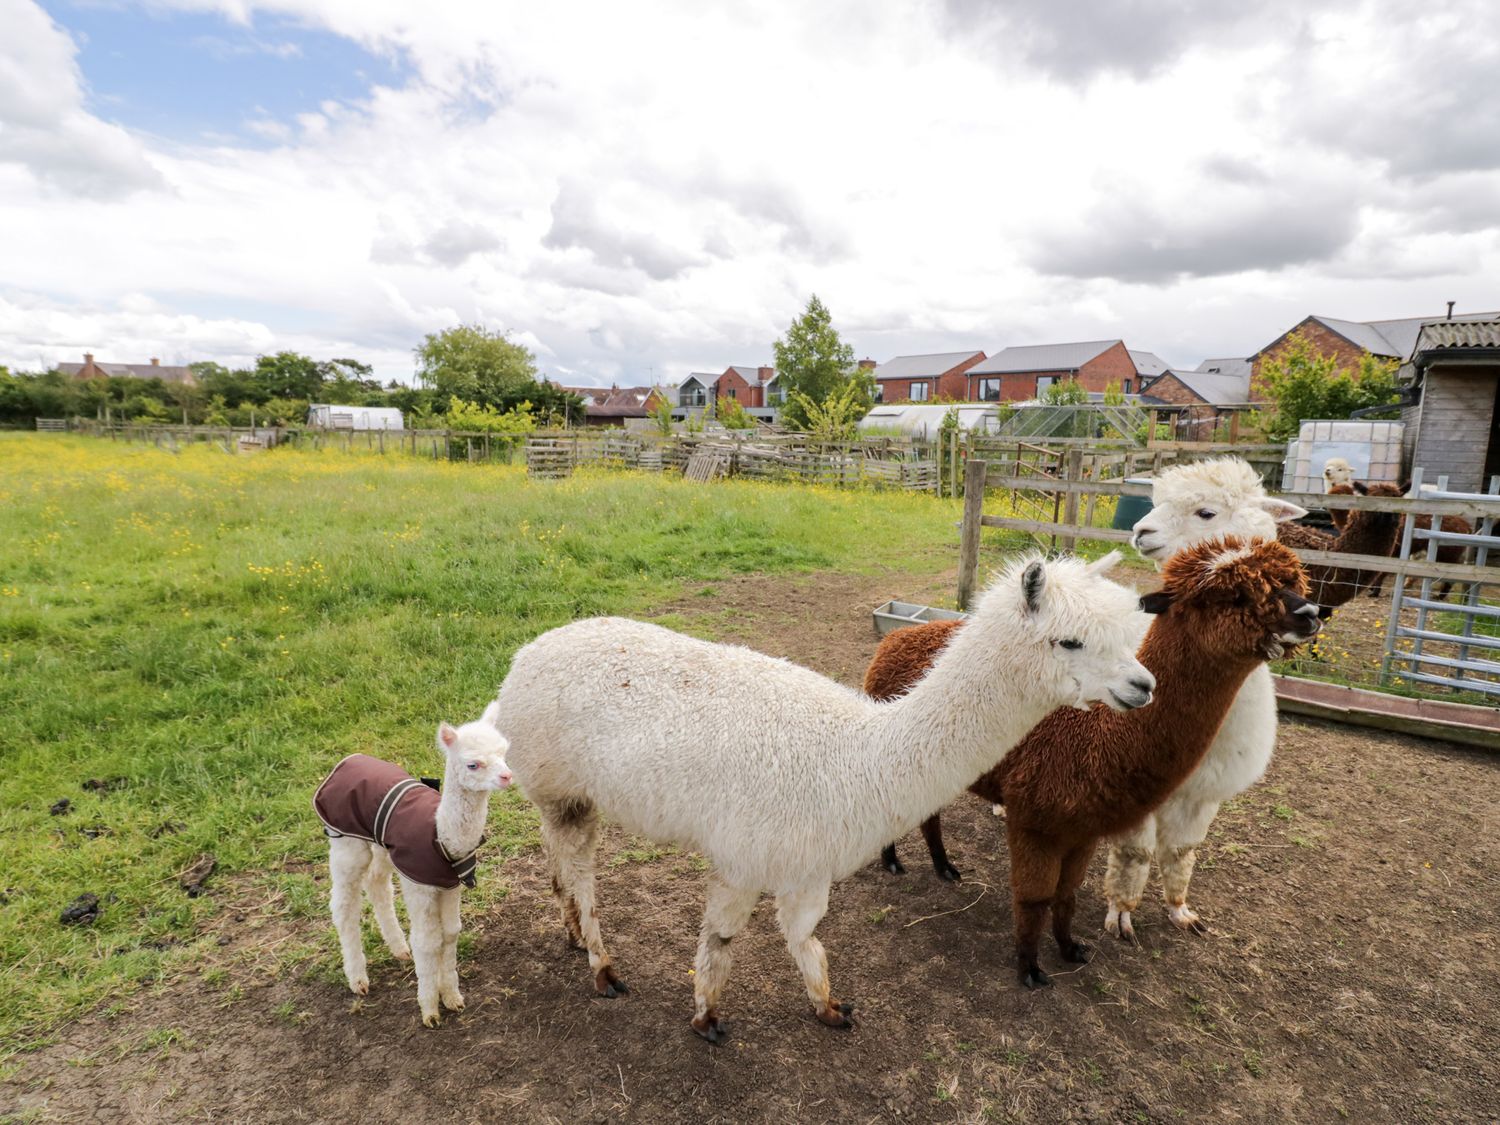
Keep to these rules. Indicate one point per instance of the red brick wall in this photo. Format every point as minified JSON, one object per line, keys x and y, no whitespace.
{"x":744,"y":393}
{"x":1169,"y":388}
{"x":1113,"y":365}
{"x":1324,"y":341}
{"x":899,"y":390}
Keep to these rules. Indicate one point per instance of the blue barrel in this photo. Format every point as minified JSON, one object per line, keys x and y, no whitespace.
{"x":1130,"y":509}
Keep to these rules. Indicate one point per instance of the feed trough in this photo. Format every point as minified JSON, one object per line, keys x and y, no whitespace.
{"x":897,"y":615}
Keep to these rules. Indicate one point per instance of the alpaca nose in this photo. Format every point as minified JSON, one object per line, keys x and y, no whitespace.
{"x":504,"y":776}
{"x":1144,"y":684}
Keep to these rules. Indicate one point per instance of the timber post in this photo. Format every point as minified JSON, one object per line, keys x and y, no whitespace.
{"x":968,"y":541}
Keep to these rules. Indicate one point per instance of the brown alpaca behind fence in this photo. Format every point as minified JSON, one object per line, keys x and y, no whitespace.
{"x":1082,"y":775}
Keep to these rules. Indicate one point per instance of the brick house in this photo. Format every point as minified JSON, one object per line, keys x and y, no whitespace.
{"x":91,"y":369}
{"x":924,"y":378}
{"x":745,"y":385}
{"x":1215,"y":382}
{"x":610,"y":406}
{"x":1020,"y":373}
{"x":1348,"y":340}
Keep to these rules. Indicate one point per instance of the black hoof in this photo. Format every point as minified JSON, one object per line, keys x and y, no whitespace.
{"x":837,"y":1016}
{"x":1035,"y":978}
{"x":949,"y":872}
{"x":607,"y":985}
{"x":847,"y":1009}
{"x":894,"y":866}
{"x":714,"y":1030}
{"x":1078,"y":952}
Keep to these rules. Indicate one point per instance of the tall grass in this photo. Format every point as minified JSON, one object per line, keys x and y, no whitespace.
{"x":208,"y":634}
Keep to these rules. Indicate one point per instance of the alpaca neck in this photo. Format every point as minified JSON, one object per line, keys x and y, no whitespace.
{"x":1143,"y":755}
{"x":979,"y":699}
{"x":461,"y":815}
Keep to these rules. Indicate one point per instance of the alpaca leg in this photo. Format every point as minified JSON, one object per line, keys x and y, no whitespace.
{"x":890,"y":861}
{"x":1181,"y":827}
{"x":1075,"y":866}
{"x":448,"y":917}
{"x":380,"y":886}
{"x":348,"y":860}
{"x":571,"y":835}
{"x":1125,"y":878}
{"x":799,"y":914}
{"x":426,"y":946}
{"x":725,"y":915}
{"x":1035,"y":869}
{"x":932,"y":832}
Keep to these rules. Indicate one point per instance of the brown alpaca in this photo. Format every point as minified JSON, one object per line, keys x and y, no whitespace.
{"x":1081,"y":775}
{"x":1446,"y":553}
{"x":1339,"y":516}
{"x":1363,"y":533}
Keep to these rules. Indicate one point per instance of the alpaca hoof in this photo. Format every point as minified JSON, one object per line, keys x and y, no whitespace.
{"x":607,"y":985}
{"x":948,"y":872}
{"x":1184,"y":917}
{"x":890,"y":861}
{"x":401,"y":954}
{"x":431,"y":1019}
{"x":1035,"y":978}
{"x":709,"y":1026}
{"x":1077,"y":952}
{"x":1117,"y":924}
{"x":454,"y":1002}
{"x":360,"y":986}
{"x":837,"y":1015}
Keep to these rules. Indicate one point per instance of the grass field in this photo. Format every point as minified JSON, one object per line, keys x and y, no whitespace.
{"x":207,"y":634}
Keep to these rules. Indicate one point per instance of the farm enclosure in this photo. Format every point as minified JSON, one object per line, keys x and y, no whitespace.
{"x":1354,"y":893}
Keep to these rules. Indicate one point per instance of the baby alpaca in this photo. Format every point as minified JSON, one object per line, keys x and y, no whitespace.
{"x":1336,"y":471}
{"x":379,"y":821}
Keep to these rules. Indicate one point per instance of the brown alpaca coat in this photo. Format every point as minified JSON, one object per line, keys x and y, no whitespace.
{"x":1363,"y":533}
{"x":1446,"y":553}
{"x":1082,"y":775}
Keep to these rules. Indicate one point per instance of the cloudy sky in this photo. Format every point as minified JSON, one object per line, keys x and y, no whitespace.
{"x":637,"y":190}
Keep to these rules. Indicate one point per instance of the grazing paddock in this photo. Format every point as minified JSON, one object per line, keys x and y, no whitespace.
{"x":1354,"y":893}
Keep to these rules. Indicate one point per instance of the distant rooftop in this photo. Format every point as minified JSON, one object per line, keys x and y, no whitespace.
{"x":1042,"y":357}
{"x":918,"y":366}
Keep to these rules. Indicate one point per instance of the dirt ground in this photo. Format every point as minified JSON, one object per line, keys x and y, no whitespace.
{"x":1352,"y":973}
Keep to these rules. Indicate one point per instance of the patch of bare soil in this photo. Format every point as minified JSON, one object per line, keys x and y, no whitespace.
{"x":1353,"y":973}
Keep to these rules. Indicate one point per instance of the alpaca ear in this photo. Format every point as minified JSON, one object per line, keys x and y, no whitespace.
{"x":1104,"y":565}
{"x":1032,"y":581}
{"x":1360,"y":487}
{"x":492,"y":714}
{"x":1158,"y":601}
{"x":1281,"y":510}
{"x":447,"y":736}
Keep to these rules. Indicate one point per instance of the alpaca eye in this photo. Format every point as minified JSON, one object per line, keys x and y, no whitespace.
{"x":1205,"y":513}
{"x":473,"y":765}
{"x":1071,"y":645}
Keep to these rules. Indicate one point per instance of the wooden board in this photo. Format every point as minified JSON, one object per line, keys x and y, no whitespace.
{"x":1427,"y":718}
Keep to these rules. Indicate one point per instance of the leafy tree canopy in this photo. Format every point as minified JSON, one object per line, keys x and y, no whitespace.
{"x":474,"y":364}
{"x":813,"y":365}
{"x":1304,"y":383}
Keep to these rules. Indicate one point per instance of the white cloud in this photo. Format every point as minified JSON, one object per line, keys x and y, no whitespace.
{"x":647,"y":189}
{"x":44,"y":126}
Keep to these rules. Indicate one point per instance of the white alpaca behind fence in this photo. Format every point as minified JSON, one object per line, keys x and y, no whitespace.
{"x":783,"y":779}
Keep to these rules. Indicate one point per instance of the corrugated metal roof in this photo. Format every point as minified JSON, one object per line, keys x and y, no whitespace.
{"x":917,"y":366}
{"x":1459,"y":334}
{"x":1043,"y":357}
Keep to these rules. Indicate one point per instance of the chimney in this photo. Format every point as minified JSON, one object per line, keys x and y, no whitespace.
{"x":867,"y":365}
{"x":1450,"y":309}
{"x":155,"y":362}
{"x":764,"y":373}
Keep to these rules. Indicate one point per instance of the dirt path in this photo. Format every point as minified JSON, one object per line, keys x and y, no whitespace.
{"x":1353,"y":975}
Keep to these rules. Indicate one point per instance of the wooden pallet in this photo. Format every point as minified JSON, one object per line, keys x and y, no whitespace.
{"x":705,"y":466}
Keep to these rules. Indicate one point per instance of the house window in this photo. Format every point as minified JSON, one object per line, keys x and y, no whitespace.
{"x":989,"y":390}
{"x":692,"y":396}
{"x":1125,"y":387}
{"x":919,"y":392}
{"x":734,"y":392}
{"x":1043,"y":382}
{"x":879,"y":392}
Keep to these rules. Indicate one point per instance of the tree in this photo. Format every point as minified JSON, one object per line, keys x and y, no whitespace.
{"x":732,"y":416}
{"x":474,"y":364}
{"x":837,"y":417}
{"x":813,"y":364}
{"x":1304,"y":383}
{"x":288,"y":375}
{"x":1067,"y":392}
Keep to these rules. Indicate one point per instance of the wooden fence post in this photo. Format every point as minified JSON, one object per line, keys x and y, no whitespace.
{"x":1073,"y":473}
{"x":968,"y":539}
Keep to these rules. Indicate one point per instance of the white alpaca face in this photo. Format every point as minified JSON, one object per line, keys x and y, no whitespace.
{"x":1185,"y":517}
{"x":476,"y":751}
{"x":1088,"y":630}
{"x":1337,"y":471}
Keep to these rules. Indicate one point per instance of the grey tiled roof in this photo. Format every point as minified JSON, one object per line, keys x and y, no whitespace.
{"x":1228,"y":366}
{"x":1042,"y":357}
{"x":917,"y":366}
{"x":1217,"y":388}
{"x":1394,"y":337}
{"x":1148,"y":364}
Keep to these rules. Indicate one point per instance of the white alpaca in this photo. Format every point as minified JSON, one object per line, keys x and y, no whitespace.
{"x":1194,"y":503}
{"x":1336,"y":471}
{"x":427,"y":839}
{"x":654,"y":730}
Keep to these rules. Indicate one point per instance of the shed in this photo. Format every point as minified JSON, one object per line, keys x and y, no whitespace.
{"x":1453,"y":426}
{"x":329,"y":416}
{"x":925,"y":421}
